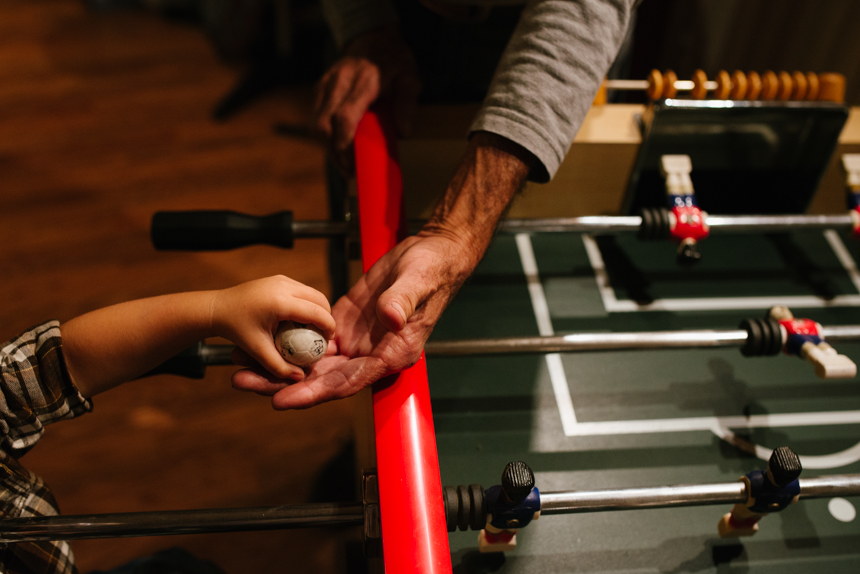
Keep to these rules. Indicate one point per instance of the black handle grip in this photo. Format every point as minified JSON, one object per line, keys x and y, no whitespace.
{"x":220,"y":230}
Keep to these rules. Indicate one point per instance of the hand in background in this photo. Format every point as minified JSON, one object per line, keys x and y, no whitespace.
{"x":375,"y":65}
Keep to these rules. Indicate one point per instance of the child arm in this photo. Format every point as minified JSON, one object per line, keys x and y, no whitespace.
{"x":113,"y":345}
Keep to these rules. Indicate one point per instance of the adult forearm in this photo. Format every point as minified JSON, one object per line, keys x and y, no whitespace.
{"x":549,"y":73}
{"x":116,"y":344}
{"x":489,"y":175}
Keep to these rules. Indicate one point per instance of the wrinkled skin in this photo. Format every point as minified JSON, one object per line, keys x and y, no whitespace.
{"x":383,"y":323}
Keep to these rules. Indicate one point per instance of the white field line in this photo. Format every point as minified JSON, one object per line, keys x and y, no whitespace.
{"x":557,"y":376}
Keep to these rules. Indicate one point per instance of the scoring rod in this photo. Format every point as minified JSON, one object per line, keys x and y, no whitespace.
{"x":129,"y":524}
{"x":575,"y":502}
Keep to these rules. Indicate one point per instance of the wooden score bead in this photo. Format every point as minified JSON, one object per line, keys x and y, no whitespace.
{"x":831,"y":88}
{"x":600,"y":97}
{"x":753,"y":85}
{"x":655,"y":85}
{"x":812,"y":86}
{"x":724,"y":85}
{"x":669,"y":79}
{"x":801,"y":86}
{"x":739,"y":85}
{"x":699,"y":90}
{"x":786,"y":86}
{"x":769,"y":85}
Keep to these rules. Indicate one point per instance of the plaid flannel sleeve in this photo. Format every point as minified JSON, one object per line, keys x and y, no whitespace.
{"x":36,"y":388}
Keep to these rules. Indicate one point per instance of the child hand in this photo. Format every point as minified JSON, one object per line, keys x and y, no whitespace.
{"x":248,"y":315}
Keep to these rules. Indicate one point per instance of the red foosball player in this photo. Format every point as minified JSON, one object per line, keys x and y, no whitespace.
{"x":770,"y":490}
{"x":510,"y":507}
{"x":851,"y":163}
{"x":802,"y":337}
{"x":687,"y":223}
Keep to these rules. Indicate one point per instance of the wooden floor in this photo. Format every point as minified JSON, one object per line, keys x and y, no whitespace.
{"x":104,"y":119}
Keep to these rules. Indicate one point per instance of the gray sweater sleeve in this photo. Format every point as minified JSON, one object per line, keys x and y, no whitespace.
{"x":348,"y":19}
{"x":549,"y":74}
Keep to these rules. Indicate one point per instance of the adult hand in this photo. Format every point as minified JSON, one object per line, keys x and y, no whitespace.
{"x":385,"y":319}
{"x":375,"y":65}
{"x":383,"y":322}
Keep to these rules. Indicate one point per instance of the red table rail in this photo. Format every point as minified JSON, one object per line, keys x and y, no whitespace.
{"x":414,"y":536}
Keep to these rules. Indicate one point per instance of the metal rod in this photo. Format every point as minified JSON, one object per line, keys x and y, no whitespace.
{"x":122,"y":525}
{"x":130,"y":524}
{"x":590,"y":224}
{"x":771,"y":223}
{"x":635,"y":85}
{"x":574,"y":502}
{"x":841,"y":333}
{"x":213,"y":355}
{"x":605,"y":224}
{"x":578,"y":342}
{"x":310,"y":228}
{"x":588,"y":342}
{"x":585,"y":342}
{"x":718,"y":223}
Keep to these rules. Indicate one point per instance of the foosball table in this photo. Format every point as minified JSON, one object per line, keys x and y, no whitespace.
{"x":607,"y":392}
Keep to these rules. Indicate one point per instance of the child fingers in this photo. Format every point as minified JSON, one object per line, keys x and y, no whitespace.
{"x":307,"y":293}
{"x":262,"y":349}
{"x":305,"y":311}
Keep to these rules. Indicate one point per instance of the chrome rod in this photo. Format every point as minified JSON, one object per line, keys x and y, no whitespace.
{"x":607,"y":224}
{"x":577,"y":342}
{"x":718,"y":223}
{"x":311,"y":228}
{"x":637,"y":85}
{"x":581,"y":342}
{"x":771,"y":223}
{"x":214,"y":355}
{"x":841,"y":333}
{"x":590,"y":224}
{"x":122,"y":525}
{"x":574,"y":502}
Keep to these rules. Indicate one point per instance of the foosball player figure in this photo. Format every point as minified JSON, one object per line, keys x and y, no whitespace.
{"x":851,"y":163}
{"x":510,"y":507}
{"x":802,"y":337}
{"x":687,"y":223}
{"x":770,"y":490}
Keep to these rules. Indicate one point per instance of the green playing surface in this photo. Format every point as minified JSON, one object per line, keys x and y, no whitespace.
{"x":489,"y":411}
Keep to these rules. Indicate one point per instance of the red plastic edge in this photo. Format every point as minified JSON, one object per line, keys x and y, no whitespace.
{"x":414,"y":535}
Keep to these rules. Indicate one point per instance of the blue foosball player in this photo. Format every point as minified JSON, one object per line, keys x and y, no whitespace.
{"x":510,"y":506}
{"x":770,"y":490}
